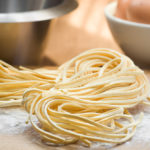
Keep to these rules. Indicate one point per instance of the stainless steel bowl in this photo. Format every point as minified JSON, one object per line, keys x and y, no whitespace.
{"x":24,"y":25}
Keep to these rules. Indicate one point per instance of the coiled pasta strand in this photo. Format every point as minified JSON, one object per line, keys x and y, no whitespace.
{"x":90,"y":100}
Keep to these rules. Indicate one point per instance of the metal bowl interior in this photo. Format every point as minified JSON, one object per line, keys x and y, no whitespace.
{"x":12,"y":11}
{"x":8,"y":6}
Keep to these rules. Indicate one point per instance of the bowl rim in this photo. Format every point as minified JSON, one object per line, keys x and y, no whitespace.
{"x":110,"y":16}
{"x":64,"y":7}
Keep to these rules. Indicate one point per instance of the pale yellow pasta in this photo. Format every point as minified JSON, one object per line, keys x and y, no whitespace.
{"x":65,"y":120}
{"x":103,"y":76}
{"x":89,"y":100}
{"x":13,"y":82}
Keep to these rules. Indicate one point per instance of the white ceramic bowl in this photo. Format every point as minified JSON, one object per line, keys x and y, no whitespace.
{"x":133,"y":38}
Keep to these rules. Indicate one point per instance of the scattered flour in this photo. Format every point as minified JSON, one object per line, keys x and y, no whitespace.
{"x":143,"y":129}
{"x":12,"y":121}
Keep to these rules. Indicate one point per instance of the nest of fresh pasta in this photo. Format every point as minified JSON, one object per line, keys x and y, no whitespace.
{"x":86,"y":99}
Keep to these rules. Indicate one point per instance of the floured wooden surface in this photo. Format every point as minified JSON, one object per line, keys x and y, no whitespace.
{"x":15,"y":134}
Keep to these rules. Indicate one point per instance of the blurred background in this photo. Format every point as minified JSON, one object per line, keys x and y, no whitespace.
{"x":35,"y":38}
{"x":80,"y":30}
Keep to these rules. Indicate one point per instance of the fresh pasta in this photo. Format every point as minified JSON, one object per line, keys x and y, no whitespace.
{"x":103,"y":76}
{"x":89,"y":100}
{"x":64,"y":120}
{"x":14,"y":82}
